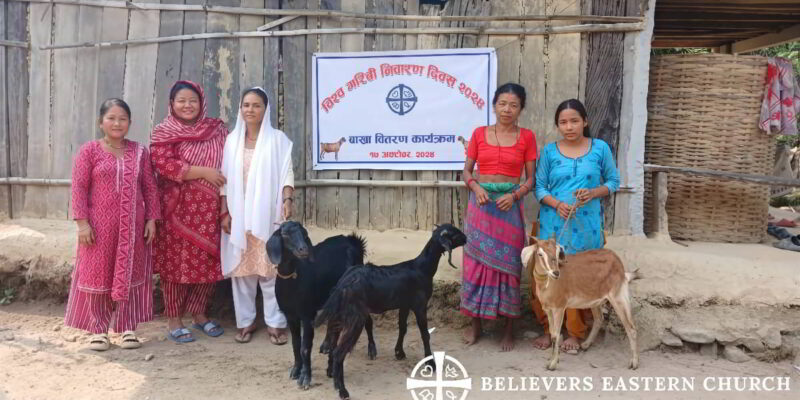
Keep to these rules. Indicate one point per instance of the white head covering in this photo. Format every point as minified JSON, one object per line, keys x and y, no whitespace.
{"x":257,"y":210}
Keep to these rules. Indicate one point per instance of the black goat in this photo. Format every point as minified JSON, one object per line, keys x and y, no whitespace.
{"x":366,"y":289}
{"x":306,"y":276}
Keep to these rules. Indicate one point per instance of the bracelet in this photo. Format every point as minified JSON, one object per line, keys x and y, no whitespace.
{"x":470,"y":181}
{"x":223,"y":215}
{"x":288,"y":198}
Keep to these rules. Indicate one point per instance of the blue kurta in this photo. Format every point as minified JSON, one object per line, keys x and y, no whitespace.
{"x":560,"y":176}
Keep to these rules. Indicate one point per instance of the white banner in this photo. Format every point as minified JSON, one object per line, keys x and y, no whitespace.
{"x":405,"y":110}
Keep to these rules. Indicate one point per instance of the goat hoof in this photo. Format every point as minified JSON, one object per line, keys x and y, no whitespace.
{"x":294,"y":373}
{"x":372,"y":353}
{"x":634,"y":365}
{"x":399,"y":355}
{"x":552,"y":366}
{"x":304,"y":382}
{"x":431,"y":364}
{"x":344,"y":394}
{"x":325,"y":348}
{"x":329,"y":373}
{"x":585,"y":345}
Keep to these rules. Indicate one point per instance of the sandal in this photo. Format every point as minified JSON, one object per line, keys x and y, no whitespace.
{"x":130,"y":341}
{"x":243,"y":338}
{"x":99,"y":342}
{"x":181,"y":335}
{"x":788,"y":244}
{"x":278,"y":338}
{"x":210,"y":328}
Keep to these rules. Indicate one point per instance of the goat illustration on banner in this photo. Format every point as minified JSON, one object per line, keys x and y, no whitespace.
{"x":403,"y":110}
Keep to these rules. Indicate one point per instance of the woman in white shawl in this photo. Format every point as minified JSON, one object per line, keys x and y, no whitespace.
{"x":257,"y":163}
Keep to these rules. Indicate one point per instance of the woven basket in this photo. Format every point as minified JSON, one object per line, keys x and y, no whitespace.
{"x":703,"y":112}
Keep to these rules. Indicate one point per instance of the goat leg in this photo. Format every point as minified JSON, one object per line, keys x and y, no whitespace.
{"x":304,"y":381}
{"x":597,"y":314}
{"x":555,"y":319}
{"x":421,"y":313}
{"x":402,"y":325}
{"x":622,"y":306}
{"x":294,"y":328}
{"x":372,"y":350}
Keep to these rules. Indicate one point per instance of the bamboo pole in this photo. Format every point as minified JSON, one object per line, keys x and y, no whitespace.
{"x":298,"y":184}
{"x":331,"y":14}
{"x":277,"y":22}
{"x":14,"y":43}
{"x":382,"y":31}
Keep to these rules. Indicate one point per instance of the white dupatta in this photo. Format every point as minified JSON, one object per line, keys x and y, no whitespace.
{"x":257,"y":210}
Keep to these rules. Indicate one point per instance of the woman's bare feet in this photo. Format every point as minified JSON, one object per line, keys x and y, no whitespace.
{"x":507,"y":343}
{"x":571,"y":345}
{"x":543,"y":342}
{"x":473,"y":333}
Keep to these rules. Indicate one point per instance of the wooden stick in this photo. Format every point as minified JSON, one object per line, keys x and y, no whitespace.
{"x":728,"y":176}
{"x":331,"y":14}
{"x":14,"y":43}
{"x":298,"y":184}
{"x":277,"y":22}
{"x":382,"y":31}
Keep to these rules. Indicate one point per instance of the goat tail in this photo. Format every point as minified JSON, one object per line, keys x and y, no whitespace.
{"x":331,"y":308}
{"x":633,"y":275}
{"x":361,"y":244}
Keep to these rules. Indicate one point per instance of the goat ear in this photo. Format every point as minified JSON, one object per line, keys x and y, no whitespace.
{"x":527,"y":253}
{"x":562,"y":256}
{"x":275,"y":247}
{"x":534,"y":240}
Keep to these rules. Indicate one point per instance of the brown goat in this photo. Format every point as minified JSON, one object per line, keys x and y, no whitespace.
{"x":582,"y":280}
{"x":331,"y":148}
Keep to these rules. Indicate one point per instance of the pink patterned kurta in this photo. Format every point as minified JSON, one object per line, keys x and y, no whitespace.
{"x":98,"y":180}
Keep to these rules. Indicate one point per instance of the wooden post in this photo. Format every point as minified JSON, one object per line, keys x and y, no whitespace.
{"x":5,"y":193}
{"x":17,"y":70}
{"x":168,"y":64}
{"x":659,"y":209}
{"x":604,"y":86}
{"x":629,"y":208}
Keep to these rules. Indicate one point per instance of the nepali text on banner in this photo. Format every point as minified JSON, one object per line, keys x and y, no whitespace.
{"x":403,"y":110}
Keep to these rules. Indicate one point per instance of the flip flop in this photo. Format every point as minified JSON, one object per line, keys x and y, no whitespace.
{"x":130,"y":341}
{"x":175,"y":335}
{"x":786,"y":223}
{"x":787,"y":244}
{"x":778,"y":232}
{"x":275,"y":338}
{"x":99,"y":342}
{"x":239,"y":338}
{"x":210,"y":328}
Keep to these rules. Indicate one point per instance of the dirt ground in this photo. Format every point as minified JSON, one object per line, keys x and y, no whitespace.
{"x":745,"y":291}
{"x":44,"y":360}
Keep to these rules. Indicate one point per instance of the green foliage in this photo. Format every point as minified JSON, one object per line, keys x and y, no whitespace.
{"x":680,"y":50}
{"x":789,"y":200}
{"x":790,"y":51}
{"x":7,"y":296}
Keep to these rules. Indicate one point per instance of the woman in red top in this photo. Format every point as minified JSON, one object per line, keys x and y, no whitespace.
{"x":494,"y":225}
{"x":186,"y":151}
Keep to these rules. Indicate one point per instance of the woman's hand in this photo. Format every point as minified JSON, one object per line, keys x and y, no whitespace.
{"x":505,"y":202}
{"x":563,"y":209}
{"x":481,"y":195}
{"x":584,"y":196}
{"x":85,"y":233}
{"x":214,"y":177}
{"x":287,"y":209}
{"x":149,"y":231}
{"x":226,"y":224}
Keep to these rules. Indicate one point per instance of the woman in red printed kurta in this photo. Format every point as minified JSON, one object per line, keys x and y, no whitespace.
{"x":115,"y":203}
{"x":187,"y":154}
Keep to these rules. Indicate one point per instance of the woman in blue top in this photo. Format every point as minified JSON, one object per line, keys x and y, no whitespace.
{"x":573,"y":175}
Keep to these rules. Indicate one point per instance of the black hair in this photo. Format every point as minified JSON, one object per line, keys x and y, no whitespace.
{"x":513,"y":88}
{"x":180,"y":86}
{"x":574,"y":104}
{"x":257,"y":91}
{"x":111,"y":103}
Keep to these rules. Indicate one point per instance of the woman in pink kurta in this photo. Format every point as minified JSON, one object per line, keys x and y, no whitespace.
{"x":115,"y":203}
{"x":187,"y":155}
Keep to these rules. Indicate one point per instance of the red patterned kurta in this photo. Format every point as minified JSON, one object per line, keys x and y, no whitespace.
{"x":187,"y":247}
{"x":97,"y":181}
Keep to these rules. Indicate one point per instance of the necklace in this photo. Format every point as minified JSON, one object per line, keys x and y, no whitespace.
{"x":252,"y":140}
{"x":111,"y":145}
{"x":498,"y":139}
